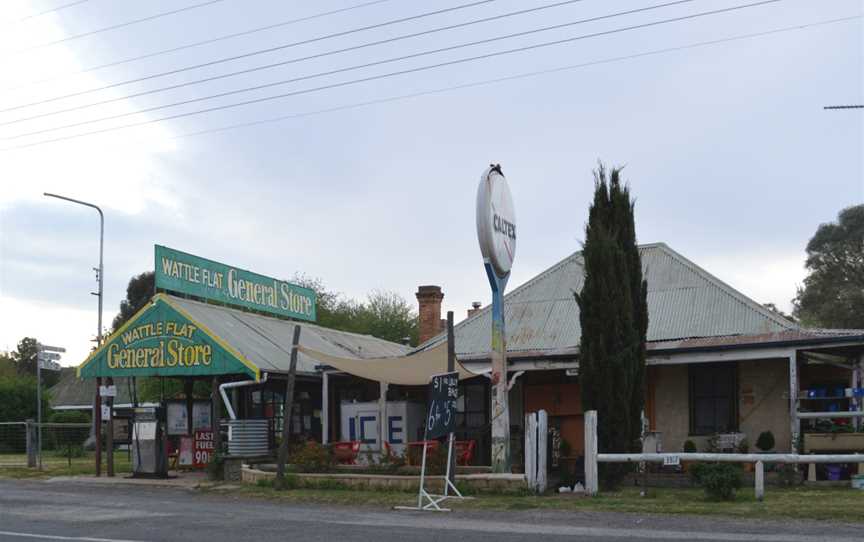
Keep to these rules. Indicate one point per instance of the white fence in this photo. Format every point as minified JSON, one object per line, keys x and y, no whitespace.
{"x":536,"y":433}
{"x":592,"y":457}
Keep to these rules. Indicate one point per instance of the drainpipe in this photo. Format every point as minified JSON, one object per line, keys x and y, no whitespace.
{"x":228,"y":385}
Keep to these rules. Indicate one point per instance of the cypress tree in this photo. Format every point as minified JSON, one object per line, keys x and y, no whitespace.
{"x":614,"y":321}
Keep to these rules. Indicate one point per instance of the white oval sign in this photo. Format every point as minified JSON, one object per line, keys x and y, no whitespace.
{"x":496,"y":221}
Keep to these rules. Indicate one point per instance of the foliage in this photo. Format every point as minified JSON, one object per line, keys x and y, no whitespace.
{"x":312,"y":457}
{"x":154,"y":388}
{"x":384,"y":314}
{"x":833,"y":291}
{"x":689,"y":447}
{"x":215,"y":468}
{"x":773,"y":308}
{"x":138,"y":292}
{"x":69,"y":416}
{"x":7,"y":365}
{"x":744,"y":446}
{"x":720,"y":480}
{"x":614,"y":320}
{"x":765,"y":441}
{"x":19,"y":399}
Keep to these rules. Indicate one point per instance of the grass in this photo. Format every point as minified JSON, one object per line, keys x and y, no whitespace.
{"x":834,"y":504}
{"x":56,"y":465}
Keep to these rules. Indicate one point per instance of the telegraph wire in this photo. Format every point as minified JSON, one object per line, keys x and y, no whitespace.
{"x":198,"y":43}
{"x":116,"y":26}
{"x":843,"y":107}
{"x":255,"y":53}
{"x":338,"y":51}
{"x":381,"y":76}
{"x":52,"y":10}
{"x":387,"y":61}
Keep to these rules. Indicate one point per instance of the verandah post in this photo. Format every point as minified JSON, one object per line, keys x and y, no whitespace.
{"x":287,"y":410}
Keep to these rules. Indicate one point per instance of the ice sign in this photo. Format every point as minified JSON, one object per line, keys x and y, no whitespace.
{"x":441,"y":418}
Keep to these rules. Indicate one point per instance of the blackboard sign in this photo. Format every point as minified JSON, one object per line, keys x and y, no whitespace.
{"x":443,"y":392}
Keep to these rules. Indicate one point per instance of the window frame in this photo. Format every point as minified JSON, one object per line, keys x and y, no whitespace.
{"x":733,"y":396}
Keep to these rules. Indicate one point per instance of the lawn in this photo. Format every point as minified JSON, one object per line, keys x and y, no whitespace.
{"x":836,"y":504}
{"x":54,"y":464}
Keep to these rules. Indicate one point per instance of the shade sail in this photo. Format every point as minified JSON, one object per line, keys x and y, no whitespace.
{"x":413,"y":370}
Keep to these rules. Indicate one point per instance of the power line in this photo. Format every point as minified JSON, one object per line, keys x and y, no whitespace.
{"x":388,"y":61}
{"x":386,"y":75}
{"x":254,"y":53}
{"x":116,"y":26}
{"x":843,"y":107}
{"x":338,"y":51}
{"x":52,"y":10}
{"x":199,"y":43}
{"x":462,"y":86}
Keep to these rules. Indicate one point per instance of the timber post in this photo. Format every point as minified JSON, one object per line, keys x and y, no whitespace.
{"x":287,"y":411}
{"x":760,"y":481}
{"x":591,"y":475}
{"x":30,"y":438}
{"x":97,"y":426}
{"x":109,"y":432}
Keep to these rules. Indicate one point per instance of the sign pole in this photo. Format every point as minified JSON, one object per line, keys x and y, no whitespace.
{"x":39,"y":410}
{"x":496,"y":234}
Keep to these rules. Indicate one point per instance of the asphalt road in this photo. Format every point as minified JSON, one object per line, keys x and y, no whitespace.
{"x":72,"y":511}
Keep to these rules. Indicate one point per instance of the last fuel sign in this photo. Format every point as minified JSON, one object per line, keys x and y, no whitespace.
{"x":204,"y":447}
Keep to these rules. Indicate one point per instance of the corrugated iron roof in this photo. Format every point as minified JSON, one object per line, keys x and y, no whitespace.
{"x":790,"y":336}
{"x":266,"y":341}
{"x":684,"y":301}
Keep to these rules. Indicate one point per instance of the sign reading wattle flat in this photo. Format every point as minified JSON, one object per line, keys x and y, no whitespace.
{"x":181,"y":272}
{"x":496,"y":221}
{"x":162,"y":341}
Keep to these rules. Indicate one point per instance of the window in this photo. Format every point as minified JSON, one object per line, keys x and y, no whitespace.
{"x":713,"y":399}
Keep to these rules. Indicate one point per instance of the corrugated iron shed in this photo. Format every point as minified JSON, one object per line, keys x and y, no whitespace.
{"x":266,"y":341}
{"x":684,"y":301}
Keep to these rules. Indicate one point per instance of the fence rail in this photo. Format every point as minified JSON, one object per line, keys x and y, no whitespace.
{"x":592,"y":458}
{"x":61,"y":443}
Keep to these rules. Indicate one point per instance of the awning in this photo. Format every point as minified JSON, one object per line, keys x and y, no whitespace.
{"x":412,"y":370}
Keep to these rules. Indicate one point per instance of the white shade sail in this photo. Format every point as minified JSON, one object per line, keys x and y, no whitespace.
{"x":414,"y":370}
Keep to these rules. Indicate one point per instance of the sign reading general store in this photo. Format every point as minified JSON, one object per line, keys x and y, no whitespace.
{"x":181,"y":272}
{"x":163,"y":341}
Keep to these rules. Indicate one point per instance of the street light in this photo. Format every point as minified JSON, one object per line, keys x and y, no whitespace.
{"x":99,"y":271}
{"x":97,"y":403}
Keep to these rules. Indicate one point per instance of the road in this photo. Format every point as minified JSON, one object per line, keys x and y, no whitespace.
{"x":72,"y":511}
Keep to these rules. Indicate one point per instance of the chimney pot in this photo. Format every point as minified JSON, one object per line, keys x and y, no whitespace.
{"x":475,"y":308}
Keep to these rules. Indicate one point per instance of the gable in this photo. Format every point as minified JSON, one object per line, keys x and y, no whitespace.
{"x":684,"y":301}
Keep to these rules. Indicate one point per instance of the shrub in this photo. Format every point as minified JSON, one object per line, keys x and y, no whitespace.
{"x":69,"y":416}
{"x":215,"y":468}
{"x":312,"y":457}
{"x":720,"y":480}
{"x":689,"y":447}
{"x":765,"y":441}
{"x":743,"y":446}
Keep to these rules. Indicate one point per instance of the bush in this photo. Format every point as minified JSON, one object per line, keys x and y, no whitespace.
{"x":215,"y":468}
{"x":689,"y":447}
{"x":69,"y":416}
{"x":720,"y":480}
{"x":312,"y":457}
{"x":765,"y":441}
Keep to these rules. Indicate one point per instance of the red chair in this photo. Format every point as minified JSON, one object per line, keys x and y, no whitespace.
{"x":346,"y":453}
{"x":415,"y":450}
{"x":464,"y":451}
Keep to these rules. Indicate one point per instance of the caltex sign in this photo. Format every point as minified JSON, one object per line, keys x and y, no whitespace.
{"x":496,"y":221}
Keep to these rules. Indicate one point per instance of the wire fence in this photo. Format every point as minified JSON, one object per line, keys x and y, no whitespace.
{"x":62,"y":444}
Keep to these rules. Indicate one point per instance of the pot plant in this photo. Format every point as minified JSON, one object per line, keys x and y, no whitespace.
{"x":689,"y":448}
{"x":765,"y":442}
{"x":743,"y":448}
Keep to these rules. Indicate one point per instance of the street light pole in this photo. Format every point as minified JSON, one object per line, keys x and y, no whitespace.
{"x":97,"y":404}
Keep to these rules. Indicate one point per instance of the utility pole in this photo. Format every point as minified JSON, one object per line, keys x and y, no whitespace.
{"x":97,"y":404}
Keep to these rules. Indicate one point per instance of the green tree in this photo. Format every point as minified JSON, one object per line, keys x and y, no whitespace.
{"x":138,"y":292}
{"x":833,"y":292}
{"x":614,"y":320}
{"x":25,"y":356}
{"x":19,"y":399}
{"x":7,"y":365}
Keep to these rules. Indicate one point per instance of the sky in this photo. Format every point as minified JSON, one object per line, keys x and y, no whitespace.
{"x":371,"y":185}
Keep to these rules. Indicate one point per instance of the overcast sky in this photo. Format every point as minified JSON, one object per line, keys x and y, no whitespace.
{"x":731,"y":158}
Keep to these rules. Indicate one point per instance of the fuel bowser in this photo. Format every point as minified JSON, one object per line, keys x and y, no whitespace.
{"x":149,"y":439}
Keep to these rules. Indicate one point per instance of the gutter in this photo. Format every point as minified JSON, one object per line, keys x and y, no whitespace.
{"x":228,"y":385}
{"x":743,"y":346}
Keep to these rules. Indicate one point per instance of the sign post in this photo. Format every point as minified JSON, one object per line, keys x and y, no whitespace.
{"x":46,"y":358}
{"x":496,"y":233}
{"x":440,"y":421}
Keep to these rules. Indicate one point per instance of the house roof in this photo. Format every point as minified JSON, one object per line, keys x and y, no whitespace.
{"x":684,"y":302}
{"x":71,"y":391}
{"x":266,"y":341}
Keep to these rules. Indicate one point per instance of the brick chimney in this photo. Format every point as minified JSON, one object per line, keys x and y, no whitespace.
{"x":475,"y":308}
{"x":429,"y":300}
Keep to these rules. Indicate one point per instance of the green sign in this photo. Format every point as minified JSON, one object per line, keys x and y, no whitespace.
{"x":162,"y":341}
{"x":188,"y":274}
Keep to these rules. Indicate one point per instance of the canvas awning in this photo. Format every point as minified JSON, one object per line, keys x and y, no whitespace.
{"x":411,"y":370}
